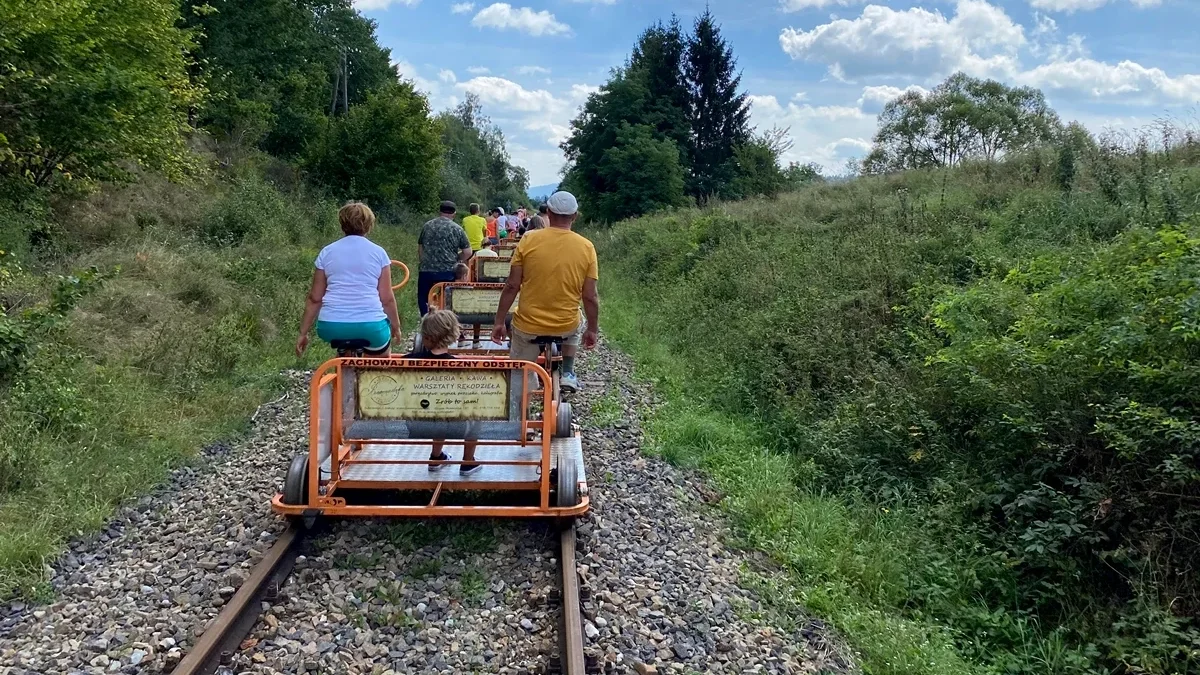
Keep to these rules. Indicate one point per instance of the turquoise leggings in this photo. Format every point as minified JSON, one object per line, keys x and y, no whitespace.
{"x":377,"y":333}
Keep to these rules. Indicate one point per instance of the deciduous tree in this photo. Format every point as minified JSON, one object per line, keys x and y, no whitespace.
{"x":272,"y":66}
{"x":642,"y":173}
{"x":477,"y":166}
{"x":386,"y":150}
{"x":963,"y":118}
{"x":86,"y":85}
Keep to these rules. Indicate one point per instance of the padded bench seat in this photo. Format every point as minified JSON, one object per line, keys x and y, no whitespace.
{"x":402,"y":430}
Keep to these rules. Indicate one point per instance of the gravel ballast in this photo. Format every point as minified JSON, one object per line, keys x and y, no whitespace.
{"x":662,"y":590}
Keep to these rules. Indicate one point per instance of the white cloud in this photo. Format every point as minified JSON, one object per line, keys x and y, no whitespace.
{"x":1070,"y":6}
{"x":447,"y":76}
{"x":409,"y":72}
{"x":479,"y":70}
{"x":1047,"y":43}
{"x":980,"y":39}
{"x":535,"y":120}
{"x":544,"y":163}
{"x":1045,"y":25}
{"x":798,"y":5}
{"x":367,"y":5}
{"x":827,"y":135}
{"x":462,"y":7}
{"x":509,"y":95}
{"x":1067,"y":5}
{"x":504,"y":16}
{"x":580,"y":92}
{"x":874,"y":98}
{"x":533,"y":70}
{"x":433,"y":87}
{"x":1126,"y":80}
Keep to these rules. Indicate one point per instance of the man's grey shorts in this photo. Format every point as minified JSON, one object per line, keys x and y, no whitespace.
{"x":523,"y":347}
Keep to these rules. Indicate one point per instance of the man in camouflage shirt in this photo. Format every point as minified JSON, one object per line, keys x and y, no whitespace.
{"x":442,"y":245}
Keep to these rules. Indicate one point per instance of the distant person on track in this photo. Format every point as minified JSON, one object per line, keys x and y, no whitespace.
{"x":539,"y":220}
{"x":553,"y":270}
{"x":441,"y":246}
{"x":475,"y":227}
{"x":439,"y":330}
{"x":491,"y":226}
{"x":501,"y":225}
{"x":351,"y":294}
{"x":514,"y":227}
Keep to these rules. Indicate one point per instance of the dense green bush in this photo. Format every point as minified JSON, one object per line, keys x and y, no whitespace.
{"x":1072,"y":385}
{"x":1015,"y":362}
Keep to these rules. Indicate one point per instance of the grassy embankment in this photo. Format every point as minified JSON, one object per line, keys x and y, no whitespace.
{"x":898,"y":384}
{"x":183,"y":332}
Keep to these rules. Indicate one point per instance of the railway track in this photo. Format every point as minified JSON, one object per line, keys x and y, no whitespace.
{"x":223,"y":636}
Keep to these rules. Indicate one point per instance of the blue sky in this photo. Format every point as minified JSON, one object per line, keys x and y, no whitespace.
{"x":822,"y":68}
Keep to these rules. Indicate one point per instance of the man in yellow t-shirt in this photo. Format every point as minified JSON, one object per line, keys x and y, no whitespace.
{"x":474,"y":225}
{"x":553,"y":270}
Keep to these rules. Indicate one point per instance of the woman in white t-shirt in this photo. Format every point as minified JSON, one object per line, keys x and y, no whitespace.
{"x":351,"y":296}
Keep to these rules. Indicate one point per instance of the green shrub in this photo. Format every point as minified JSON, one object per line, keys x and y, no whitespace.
{"x":1078,"y":379}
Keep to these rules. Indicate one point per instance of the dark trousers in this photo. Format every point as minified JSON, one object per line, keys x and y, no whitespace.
{"x":425,"y":283}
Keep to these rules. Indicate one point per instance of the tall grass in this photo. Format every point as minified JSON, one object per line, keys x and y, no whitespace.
{"x":897,"y":383}
{"x":185,"y":330}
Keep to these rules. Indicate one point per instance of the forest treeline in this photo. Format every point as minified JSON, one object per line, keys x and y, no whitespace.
{"x":91,"y":90}
{"x":671,"y":127}
{"x":168,"y":172}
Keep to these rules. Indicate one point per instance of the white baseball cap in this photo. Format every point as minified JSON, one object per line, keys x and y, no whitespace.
{"x":563,"y":203}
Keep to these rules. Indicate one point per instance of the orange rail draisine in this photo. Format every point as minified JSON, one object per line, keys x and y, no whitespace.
{"x":374,"y":421}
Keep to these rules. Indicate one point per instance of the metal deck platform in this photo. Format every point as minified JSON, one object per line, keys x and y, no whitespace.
{"x":449,"y":475}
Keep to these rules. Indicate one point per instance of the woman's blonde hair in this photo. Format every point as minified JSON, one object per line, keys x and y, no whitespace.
{"x":356,"y":218}
{"x":439,"y":329}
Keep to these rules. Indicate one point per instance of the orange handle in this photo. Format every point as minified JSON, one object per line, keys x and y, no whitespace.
{"x":406,"y":275}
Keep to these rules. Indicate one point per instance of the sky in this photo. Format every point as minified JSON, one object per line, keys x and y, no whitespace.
{"x":821,"y":68}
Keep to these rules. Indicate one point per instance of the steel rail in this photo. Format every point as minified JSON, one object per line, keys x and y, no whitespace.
{"x":572,"y":629}
{"x":223,"y":636}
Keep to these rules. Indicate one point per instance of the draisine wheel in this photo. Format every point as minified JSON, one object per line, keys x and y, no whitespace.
{"x":296,"y":482}
{"x":567,"y":483}
{"x":562,"y":423}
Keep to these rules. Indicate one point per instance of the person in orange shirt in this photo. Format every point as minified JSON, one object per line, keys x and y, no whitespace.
{"x":490,"y":227}
{"x":553,"y":270}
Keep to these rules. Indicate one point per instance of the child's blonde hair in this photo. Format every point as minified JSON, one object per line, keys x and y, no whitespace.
{"x":461,"y":272}
{"x":439,"y":329}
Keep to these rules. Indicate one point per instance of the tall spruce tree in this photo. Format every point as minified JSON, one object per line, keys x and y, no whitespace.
{"x":720,"y":113}
{"x":659,"y":57}
{"x":639,"y":114}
